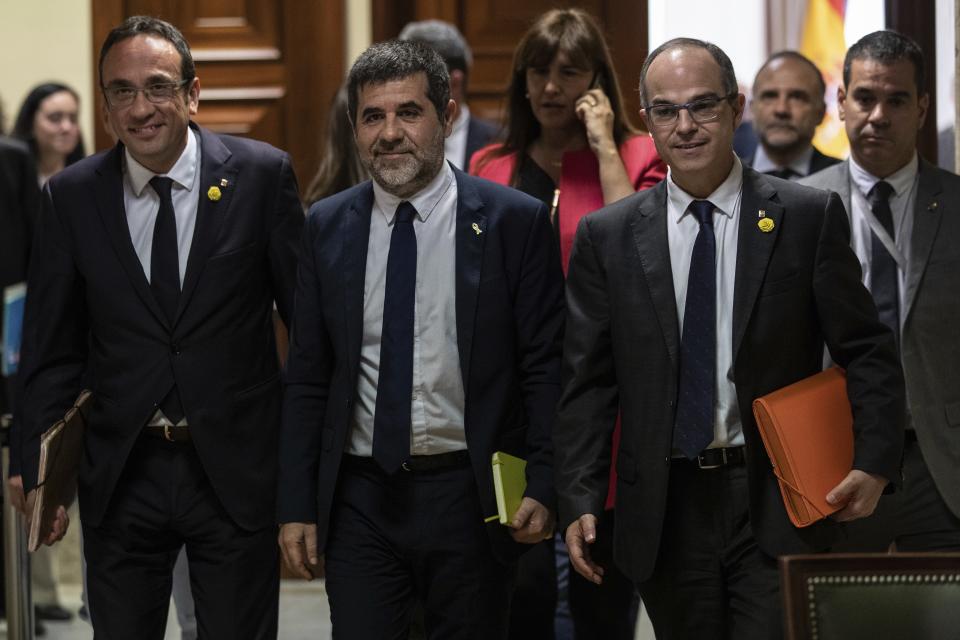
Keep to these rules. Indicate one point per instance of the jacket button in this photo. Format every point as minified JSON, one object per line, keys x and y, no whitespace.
{"x":175,"y":349}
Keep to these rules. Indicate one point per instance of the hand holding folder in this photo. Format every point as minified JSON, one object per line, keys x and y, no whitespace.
{"x":536,"y":522}
{"x":60,"y":449}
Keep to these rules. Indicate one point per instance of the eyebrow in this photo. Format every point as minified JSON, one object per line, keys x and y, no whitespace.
{"x":701,"y":96}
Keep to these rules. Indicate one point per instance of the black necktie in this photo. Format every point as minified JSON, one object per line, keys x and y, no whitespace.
{"x":391,"y":422}
{"x":693,"y":429}
{"x":786,"y":173}
{"x":165,"y":276}
{"x":164,"y":263}
{"x":884,"y":279}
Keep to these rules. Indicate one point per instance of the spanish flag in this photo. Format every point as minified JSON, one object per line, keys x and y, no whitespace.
{"x":823,"y":43}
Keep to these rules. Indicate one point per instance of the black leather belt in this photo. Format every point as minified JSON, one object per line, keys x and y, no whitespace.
{"x":716,"y":458}
{"x":168,"y":433}
{"x":437,"y":462}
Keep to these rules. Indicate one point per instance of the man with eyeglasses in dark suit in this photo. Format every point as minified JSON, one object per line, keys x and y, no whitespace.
{"x":155,"y":273}
{"x":685,"y":303}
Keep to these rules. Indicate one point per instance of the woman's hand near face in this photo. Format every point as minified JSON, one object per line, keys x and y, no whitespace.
{"x":594,"y":110}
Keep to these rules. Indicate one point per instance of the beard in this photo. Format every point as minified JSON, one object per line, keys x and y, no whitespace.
{"x":410,"y":173}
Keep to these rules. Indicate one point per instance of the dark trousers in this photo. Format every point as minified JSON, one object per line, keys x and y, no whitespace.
{"x":711,"y":580}
{"x":534,"y":602}
{"x":163,"y":501}
{"x":916,"y":517}
{"x":606,"y":611}
{"x":406,"y":538}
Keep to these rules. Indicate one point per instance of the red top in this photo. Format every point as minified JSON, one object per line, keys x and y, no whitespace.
{"x":580,"y":194}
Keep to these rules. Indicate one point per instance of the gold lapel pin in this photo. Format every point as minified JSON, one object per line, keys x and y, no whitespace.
{"x":476,"y":228}
{"x":933,"y":206}
{"x":762,"y":213}
{"x":224,"y":182}
{"x":766,"y":225}
{"x":213,"y":193}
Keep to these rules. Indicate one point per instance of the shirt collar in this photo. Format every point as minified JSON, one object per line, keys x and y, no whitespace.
{"x":800,"y":165}
{"x":183,"y":171}
{"x":424,"y":201}
{"x":901,"y":180}
{"x":724,"y":198}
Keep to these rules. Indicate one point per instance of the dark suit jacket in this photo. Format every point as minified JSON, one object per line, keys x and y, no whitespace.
{"x":930,"y":345}
{"x":796,"y":287}
{"x":86,"y":279}
{"x":19,"y":205}
{"x":480,"y":133}
{"x":509,"y":307}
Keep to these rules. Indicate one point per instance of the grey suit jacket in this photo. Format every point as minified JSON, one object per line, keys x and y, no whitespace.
{"x":930,"y":342}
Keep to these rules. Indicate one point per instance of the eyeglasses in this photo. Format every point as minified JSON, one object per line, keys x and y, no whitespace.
{"x":701,"y":111}
{"x":157,"y":93}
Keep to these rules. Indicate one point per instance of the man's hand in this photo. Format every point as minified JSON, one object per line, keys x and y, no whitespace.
{"x":859,"y":492}
{"x":17,"y":499}
{"x":580,"y":534}
{"x":298,"y":542}
{"x":532,"y":523}
{"x":61,"y":521}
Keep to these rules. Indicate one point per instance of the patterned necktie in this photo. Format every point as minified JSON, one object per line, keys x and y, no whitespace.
{"x":693,"y":428}
{"x":884,"y":279}
{"x":391,"y":422}
{"x":165,"y":276}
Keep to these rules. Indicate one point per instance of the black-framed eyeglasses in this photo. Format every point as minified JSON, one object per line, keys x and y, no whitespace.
{"x":701,"y":111}
{"x":158,"y":93}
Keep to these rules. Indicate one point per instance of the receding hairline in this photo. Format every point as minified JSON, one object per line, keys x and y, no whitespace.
{"x":790,"y":56}
{"x":683,"y":47}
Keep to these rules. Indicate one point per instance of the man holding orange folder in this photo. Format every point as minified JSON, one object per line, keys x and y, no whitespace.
{"x":685,"y":303}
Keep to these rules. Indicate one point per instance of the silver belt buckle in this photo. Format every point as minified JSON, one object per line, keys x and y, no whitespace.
{"x":723,"y":460}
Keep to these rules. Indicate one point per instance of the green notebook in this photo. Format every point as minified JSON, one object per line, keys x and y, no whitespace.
{"x":509,"y":483}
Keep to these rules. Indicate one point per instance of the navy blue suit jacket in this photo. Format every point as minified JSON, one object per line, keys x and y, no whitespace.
{"x":509,"y":307}
{"x":91,"y":317}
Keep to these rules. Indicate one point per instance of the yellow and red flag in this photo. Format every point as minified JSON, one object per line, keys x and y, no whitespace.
{"x":823,"y":42}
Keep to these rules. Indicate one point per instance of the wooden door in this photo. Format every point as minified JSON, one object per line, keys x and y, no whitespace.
{"x":268,"y":68}
{"x":494,"y":27}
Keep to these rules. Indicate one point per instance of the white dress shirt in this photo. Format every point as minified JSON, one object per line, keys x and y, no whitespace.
{"x":141,"y":203}
{"x":800,"y":165}
{"x":438,"y":397}
{"x":682,"y":230}
{"x":455,"y":146}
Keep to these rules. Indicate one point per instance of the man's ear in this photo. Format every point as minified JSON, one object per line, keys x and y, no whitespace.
{"x":449,"y":115}
{"x":841,"y":103}
{"x":924,"y":105}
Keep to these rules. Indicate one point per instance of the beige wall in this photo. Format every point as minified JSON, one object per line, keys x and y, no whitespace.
{"x":42,"y":40}
{"x":359,"y":29}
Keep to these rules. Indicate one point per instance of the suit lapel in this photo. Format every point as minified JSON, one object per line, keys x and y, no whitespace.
{"x":754,"y":248}
{"x":927,"y":214}
{"x":109,"y":197}
{"x":214,"y":168}
{"x":649,"y":228}
{"x":356,"y":238}
{"x":470,"y":240}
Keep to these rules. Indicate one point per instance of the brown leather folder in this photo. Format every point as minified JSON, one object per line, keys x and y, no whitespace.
{"x":60,"y":449}
{"x":807,"y":430}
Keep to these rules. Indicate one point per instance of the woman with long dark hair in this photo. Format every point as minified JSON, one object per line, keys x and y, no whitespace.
{"x":569,"y":144}
{"x":48,"y":123}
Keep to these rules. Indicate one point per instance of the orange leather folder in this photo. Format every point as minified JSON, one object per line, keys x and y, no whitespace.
{"x":807,"y":430}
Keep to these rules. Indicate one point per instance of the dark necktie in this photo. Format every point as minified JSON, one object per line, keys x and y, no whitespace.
{"x":884,"y":280}
{"x":693,"y":429}
{"x":391,"y":422}
{"x":164,"y":263}
{"x":786,"y":173}
{"x":165,"y":275}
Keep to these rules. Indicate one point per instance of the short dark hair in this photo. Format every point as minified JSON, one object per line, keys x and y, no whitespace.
{"x":445,"y":38}
{"x":23,"y":126}
{"x":799,"y":57}
{"x":727,"y":75}
{"x":886,"y":47}
{"x":395,"y":60}
{"x":147,"y":25}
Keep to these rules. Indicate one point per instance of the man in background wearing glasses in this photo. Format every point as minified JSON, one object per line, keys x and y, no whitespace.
{"x":153,"y":279}
{"x":686,"y":302}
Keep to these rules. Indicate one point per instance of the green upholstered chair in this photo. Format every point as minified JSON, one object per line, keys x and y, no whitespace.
{"x":871,"y":596}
